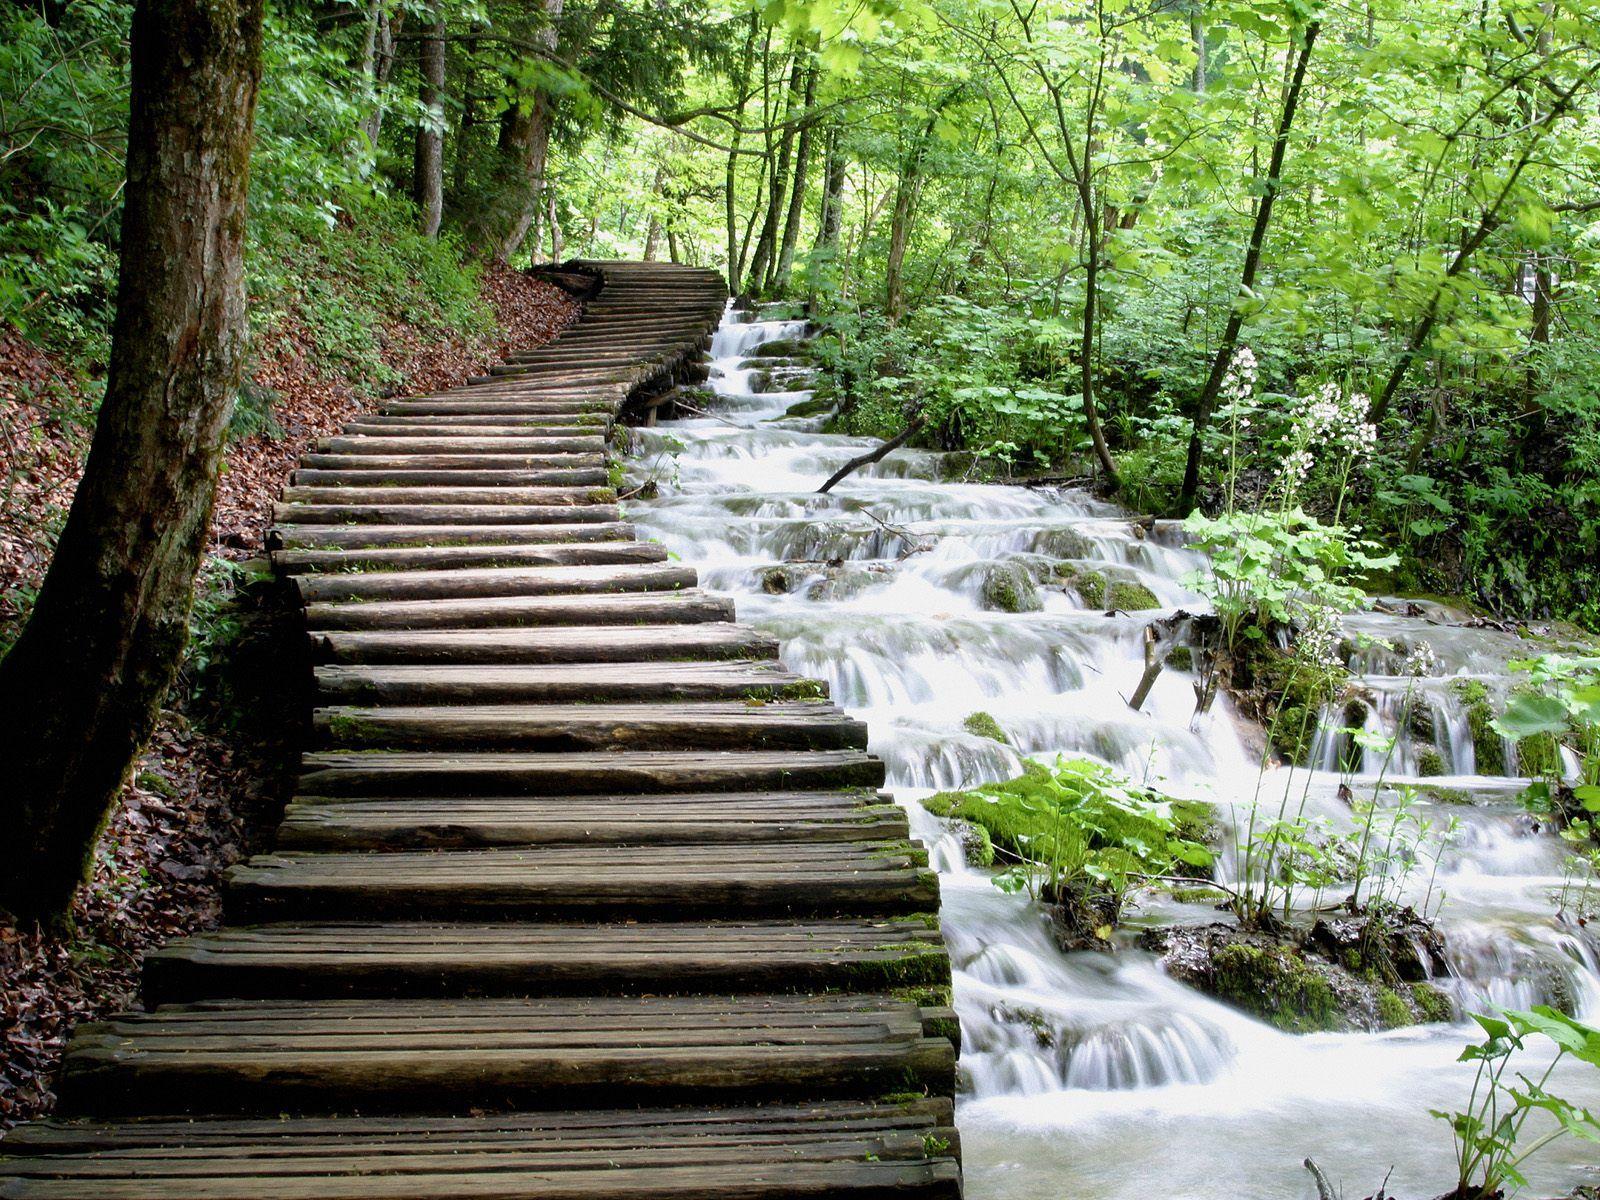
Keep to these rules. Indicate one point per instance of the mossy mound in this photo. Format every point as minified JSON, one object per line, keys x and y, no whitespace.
{"x":814,"y":407}
{"x":981,"y":724}
{"x":1009,"y":587}
{"x":1488,"y":747}
{"x":1430,"y":763}
{"x":783,"y":348}
{"x":1340,"y":975}
{"x":1102,"y":590}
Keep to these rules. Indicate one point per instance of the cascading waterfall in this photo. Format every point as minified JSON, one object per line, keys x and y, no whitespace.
{"x":1094,"y":1075}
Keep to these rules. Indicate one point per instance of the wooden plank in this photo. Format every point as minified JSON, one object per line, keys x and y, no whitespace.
{"x":425,"y":822}
{"x":577,"y":644}
{"x":309,"y":536}
{"x":428,"y":1055}
{"x":387,"y":959}
{"x":443,"y":514}
{"x":469,"y":582}
{"x":396,"y":558}
{"x":687,"y":606}
{"x":343,"y":773}
{"x":405,"y":684}
{"x":792,"y":725}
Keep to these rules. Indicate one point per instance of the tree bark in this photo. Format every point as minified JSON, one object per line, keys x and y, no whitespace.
{"x":377,"y":61}
{"x":429,"y":173}
{"x":1271,"y":186}
{"x":797,"y":196}
{"x":80,"y":689}
{"x":762,"y":261}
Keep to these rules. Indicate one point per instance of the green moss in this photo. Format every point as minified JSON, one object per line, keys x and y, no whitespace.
{"x":1197,"y":895}
{"x":1007,"y":587}
{"x":1129,"y":595}
{"x":1430,"y":762}
{"x":815,"y":407}
{"x":1393,"y":1012}
{"x":1444,"y":795}
{"x":1276,"y":985}
{"x":1433,"y":1005}
{"x":981,"y":724}
{"x":1180,"y":658}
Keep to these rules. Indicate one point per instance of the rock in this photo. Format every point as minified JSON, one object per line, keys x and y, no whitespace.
{"x":1009,"y":587}
{"x":1341,"y":974}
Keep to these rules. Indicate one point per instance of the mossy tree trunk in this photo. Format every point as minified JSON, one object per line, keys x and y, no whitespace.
{"x":80,"y":690}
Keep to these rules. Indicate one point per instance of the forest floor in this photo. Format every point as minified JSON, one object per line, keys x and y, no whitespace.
{"x":198,"y":795}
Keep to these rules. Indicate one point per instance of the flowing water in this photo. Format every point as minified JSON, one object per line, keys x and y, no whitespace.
{"x":1087,"y":1075}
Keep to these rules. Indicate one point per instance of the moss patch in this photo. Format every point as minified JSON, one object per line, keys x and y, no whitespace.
{"x":981,"y":724}
{"x":1430,"y":762}
{"x":1008,"y":587}
{"x":1487,"y":745}
{"x":1276,"y":985}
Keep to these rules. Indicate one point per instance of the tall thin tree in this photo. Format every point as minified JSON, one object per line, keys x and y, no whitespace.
{"x":80,"y":689}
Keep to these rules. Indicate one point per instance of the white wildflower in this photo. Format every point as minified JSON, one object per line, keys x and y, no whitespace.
{"x":1421,"y":661}
{"x":1320,"y":638}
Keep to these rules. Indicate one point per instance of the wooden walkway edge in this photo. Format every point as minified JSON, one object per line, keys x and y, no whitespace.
{"x":582,"y":894}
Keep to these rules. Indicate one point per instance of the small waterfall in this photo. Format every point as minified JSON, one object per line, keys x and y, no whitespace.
{"x":1082,"y":1071}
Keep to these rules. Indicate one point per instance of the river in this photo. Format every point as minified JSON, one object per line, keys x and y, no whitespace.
{"x":1143,"y":1088}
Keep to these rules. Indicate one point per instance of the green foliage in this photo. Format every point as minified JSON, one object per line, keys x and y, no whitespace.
{"x":1075,"y":827}
{"x":1491,"y":1136}
{"x":1276,"y":984}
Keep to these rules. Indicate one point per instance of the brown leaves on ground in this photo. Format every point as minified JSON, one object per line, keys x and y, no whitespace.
{"x":181,"y":819}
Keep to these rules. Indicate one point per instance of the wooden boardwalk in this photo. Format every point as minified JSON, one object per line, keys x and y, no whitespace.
{"x":581,"y":895}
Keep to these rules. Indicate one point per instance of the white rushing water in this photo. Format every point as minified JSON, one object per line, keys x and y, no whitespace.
{"x":1087,"y":1075}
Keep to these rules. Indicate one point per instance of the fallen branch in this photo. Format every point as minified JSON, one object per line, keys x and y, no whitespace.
{"x":872,"y":456}
{"x":913,"y":545}
{"x":700,"y":412}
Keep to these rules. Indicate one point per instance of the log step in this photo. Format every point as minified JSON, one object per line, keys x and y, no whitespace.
{"x":576,"y":644}
{"x":379,"y":773}
{"x":558,"y":728}
{"x":435,"y":444}
{"x":451,"y":494}
{"x":589,"y":884}
{"x":455,"y":822}
{"x":397,"y":959}
{"x":439,"y":513}
{"x":571,"y":477}
{"x":421,"y":1056}
{"x":553,"y":683}
{"x":381,"y":422}
{"x":687,"y":606}
{"x":776,"y":1152}
{"x":403,"y":558}
{"x":450,"y":462}
{"x":645,"y":574}
{"x":365,"y":536}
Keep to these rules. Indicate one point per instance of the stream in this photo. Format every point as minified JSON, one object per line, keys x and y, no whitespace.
{"x":1089,"y":1075}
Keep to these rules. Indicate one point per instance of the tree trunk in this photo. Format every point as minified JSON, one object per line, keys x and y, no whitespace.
{"x":797,"y":196}
{"x":1247,"y":281}
{"x":428,"y":179}
{"x":80,"y":690}
{"x":730,"y":200}
{"x":377,"y":61}
{"x":905,"y":202}
{"x":652,"y":234}
{"x":832,"y":215}
{"x":498,"y":231}
{"x":761,"y":262}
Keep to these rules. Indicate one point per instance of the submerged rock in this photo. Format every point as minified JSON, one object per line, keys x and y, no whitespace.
{"x":1009,"y":587}
{"x":981,"y":724}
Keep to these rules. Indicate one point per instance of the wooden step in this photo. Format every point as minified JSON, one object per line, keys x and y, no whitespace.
{"x":456,"y":822}
{"x":382,"y":773}
{"x":686,"y":606}
{"x":442,"y":514}
{"x":309,"y":536}
{"x":474,"y":429}
{"x":575,"y":496}
{"x":401,"y":958}
{"x":570,"y":728}
{"x":737,"y":680}
{"x":581,"y":644}
{"x":450,"y":422}
{"x":454,"y":462}
{"x":436,"y":444}
{"x":269,"y":1056}
{"x":404,"y":558}
{"x":569,"y":477}
{"x":835,"y":1150}
{"x":448,"y":404}
{"x":468,"y":582}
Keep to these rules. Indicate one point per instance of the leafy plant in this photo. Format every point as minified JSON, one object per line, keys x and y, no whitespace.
{"x":1490,"y":1138}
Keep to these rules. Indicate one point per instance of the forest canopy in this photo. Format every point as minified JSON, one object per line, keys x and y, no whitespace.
{"x":1035,"y":229}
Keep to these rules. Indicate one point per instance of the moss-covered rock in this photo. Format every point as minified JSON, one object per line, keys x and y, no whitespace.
{"x":981,"y":724}
{"x":1180,"y":658}
{"x":1276,"y":985}
{"x":1430,"y":763}
{"x":1432,"y":1005}
{"x":816,"y":406}
{"x":1129,"y":595}
{"x":1489,"y":748}
{"x":1009,"y":587}
{"x":1393,"y":1012}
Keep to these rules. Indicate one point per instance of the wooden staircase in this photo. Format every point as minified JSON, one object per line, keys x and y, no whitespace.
{"x":582,"y":894}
